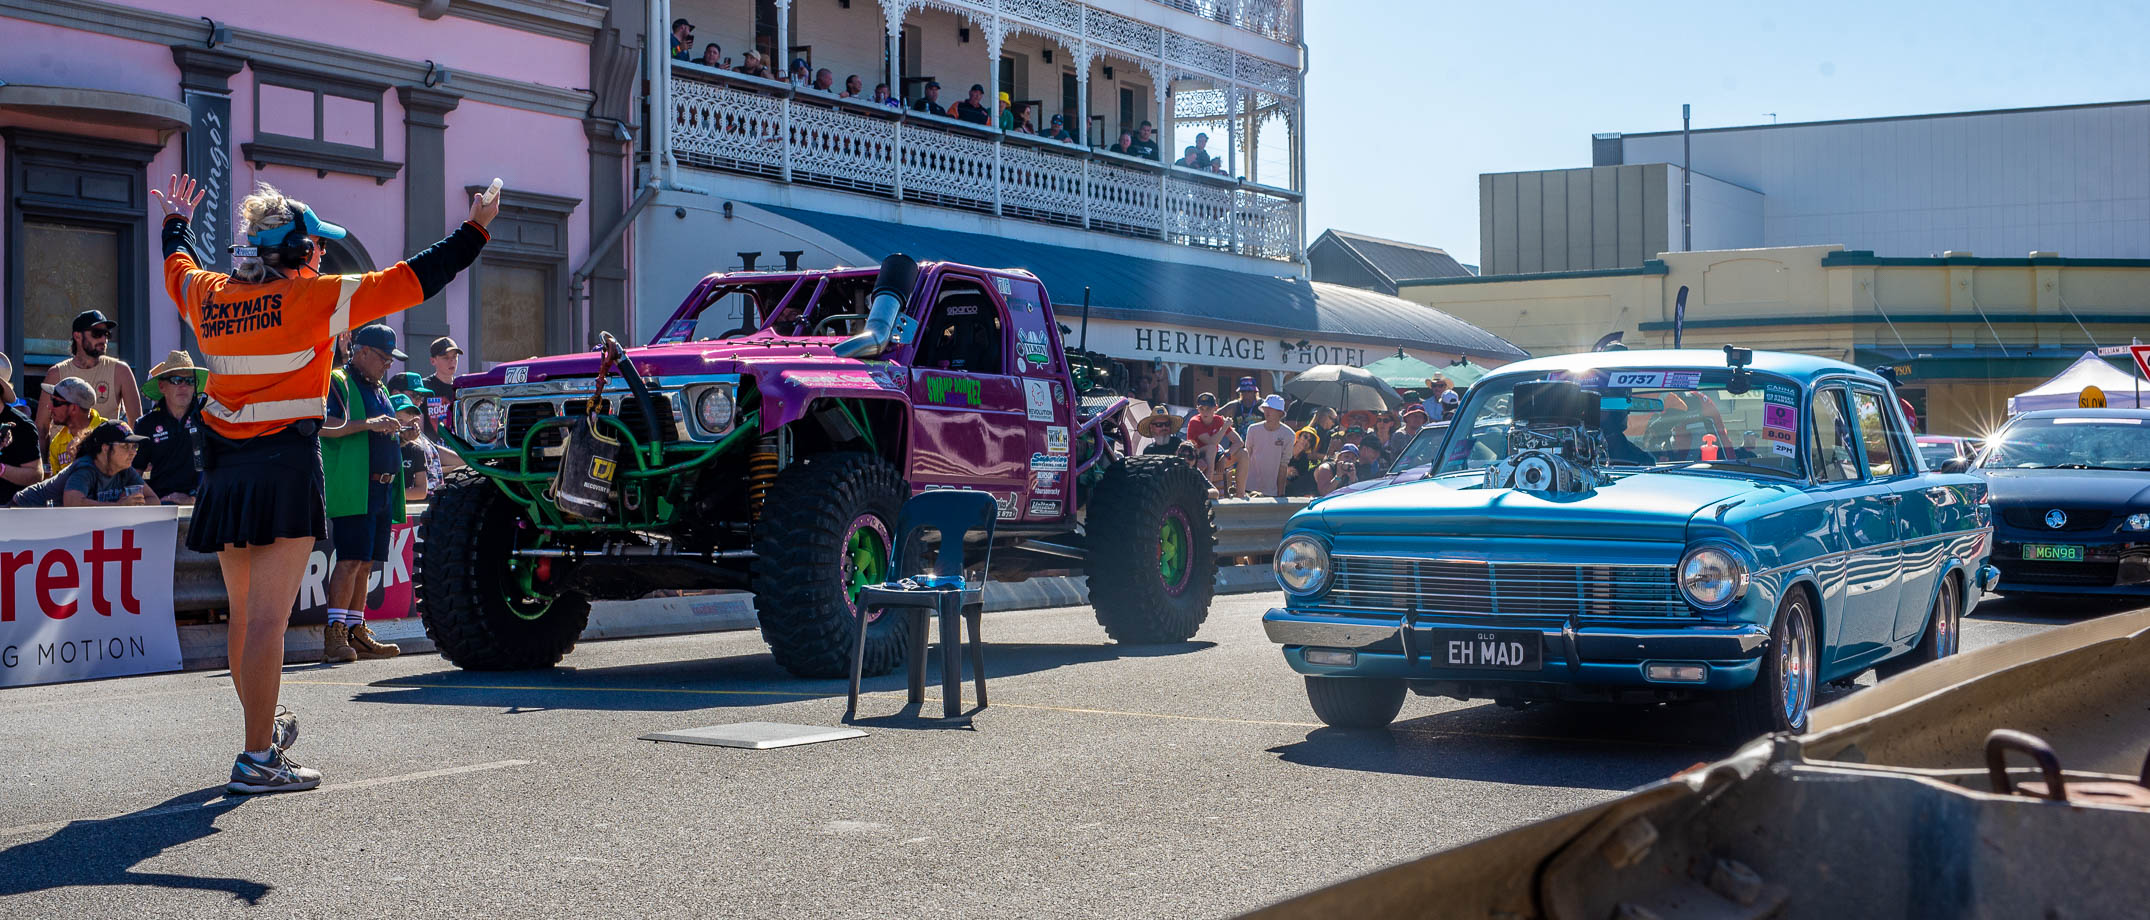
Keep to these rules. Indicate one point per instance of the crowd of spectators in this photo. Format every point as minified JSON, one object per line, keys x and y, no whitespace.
{"x":86,"y":439}
{"x":1247,"y":449}
{"x":1015,"y":117}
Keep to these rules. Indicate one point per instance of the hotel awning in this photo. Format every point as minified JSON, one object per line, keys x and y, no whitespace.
{"x":1126,"y":287}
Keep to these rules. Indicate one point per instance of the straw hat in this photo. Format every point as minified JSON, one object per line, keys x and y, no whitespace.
{"x":178,"y":360}
{"x":1158,"y":424}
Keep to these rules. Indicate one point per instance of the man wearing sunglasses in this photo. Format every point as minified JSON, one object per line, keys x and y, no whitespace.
{"x":172,"y":457}
{"x":110,"y":379}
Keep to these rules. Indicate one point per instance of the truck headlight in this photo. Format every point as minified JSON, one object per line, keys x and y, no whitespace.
{"x":1712,"y":577}
{"x":484,"y":417}
{"x":714,"y":410}
{"x":1302,"y":564}
{"x":2138,"y":521}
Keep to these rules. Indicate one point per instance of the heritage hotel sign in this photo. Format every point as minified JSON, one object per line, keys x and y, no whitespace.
{"x":1195,"y":346}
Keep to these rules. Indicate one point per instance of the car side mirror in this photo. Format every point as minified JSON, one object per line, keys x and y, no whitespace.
{"x":1955,"y":465}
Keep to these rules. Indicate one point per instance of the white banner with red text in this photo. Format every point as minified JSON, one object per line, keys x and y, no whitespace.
{"x":86,"y":593}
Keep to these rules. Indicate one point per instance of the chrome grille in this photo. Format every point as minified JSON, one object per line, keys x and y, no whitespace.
{"x":1516,"y":589}
{"x":2032,"y":517}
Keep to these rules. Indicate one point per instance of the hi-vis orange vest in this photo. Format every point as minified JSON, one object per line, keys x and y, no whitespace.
{"x":267,"y":345}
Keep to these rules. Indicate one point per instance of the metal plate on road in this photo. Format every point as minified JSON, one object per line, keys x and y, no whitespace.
{"x":1495,"y":649}
{"x":2048,"y":552}
{"x":756,"y":736}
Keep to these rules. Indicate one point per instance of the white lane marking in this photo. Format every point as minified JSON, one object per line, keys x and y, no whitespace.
{"x":229,"y":801}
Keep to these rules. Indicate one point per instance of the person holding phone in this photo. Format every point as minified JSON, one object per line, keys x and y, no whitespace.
{"x":362,"y":467}
{"x":265,"y":332}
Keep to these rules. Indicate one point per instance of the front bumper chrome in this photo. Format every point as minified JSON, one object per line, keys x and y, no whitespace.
{"x":1288,"y":628}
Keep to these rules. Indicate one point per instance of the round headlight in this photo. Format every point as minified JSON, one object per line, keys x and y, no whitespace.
{"x":1712,"y":577}
{"x":1302,"y":564}
{"x":714,"y":409}
{"x":2139,"y":521}
{"x":484,"y":417}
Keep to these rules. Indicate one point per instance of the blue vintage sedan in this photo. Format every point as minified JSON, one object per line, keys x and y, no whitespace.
{"x":1640,"y":526}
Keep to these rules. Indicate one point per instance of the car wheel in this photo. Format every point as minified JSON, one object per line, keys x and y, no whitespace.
{"x":1355,"y":702}
{"x":1944,"y":633}
{"x":1782,"y":694}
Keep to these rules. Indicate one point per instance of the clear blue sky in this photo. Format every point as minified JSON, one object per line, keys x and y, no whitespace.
{"x":1408,"y":101}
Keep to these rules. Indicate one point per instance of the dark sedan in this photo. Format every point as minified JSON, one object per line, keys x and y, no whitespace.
{"x":2071,"y":500}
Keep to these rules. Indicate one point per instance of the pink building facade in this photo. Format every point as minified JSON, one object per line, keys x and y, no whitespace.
{"x":380,"y":114}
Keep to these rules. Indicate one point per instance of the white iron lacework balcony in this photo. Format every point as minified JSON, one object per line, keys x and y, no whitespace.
{"x":727,"y":122}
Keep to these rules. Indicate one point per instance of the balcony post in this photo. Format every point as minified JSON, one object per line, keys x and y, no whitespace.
{"x":993,"y":37}
{"x":892,"y":15}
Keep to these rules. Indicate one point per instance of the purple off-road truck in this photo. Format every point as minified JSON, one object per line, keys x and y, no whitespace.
{"x":765,"y":439}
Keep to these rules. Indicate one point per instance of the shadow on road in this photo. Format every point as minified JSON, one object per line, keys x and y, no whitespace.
{"x":729,"y":681}
{"x":103,"y":852}
{"x":2047,"y":609}
{"x":1587,"y":747}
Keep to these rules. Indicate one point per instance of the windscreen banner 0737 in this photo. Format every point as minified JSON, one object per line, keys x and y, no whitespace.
{"x":86,"y":593}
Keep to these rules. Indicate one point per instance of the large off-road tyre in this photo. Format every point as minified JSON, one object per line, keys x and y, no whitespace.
{"x":485,"y":608}
{"x":1355,"y":702}
{"x":1944,"y":631}
{"x":1152,"y":541}
{"x":1782,"y":694}
{"x":827,"y":528}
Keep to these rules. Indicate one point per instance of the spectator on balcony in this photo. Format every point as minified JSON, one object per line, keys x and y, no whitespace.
{"x":1127,"y":143}
{"x":973,"y":109}
{"x":713,"y":56}
{"x":1191,"y":158}
{"x":800,"y":75}
{"x":1145,"y":145}
{"x":1201,"y":151}
{"x":824,"y":81}
{"x":854,"y":88}
{"x":930,"y":103}
{"x":751,"y":65}
{"x":682,"y":40}
{"x":1059,"y":130}
{"x":1018,"y":120}
{"x":882,"y":97}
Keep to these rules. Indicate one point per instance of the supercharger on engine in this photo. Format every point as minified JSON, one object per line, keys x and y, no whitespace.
{"x":1555,"y":440}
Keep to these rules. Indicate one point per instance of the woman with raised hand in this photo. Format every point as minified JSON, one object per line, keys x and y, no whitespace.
{"x":265,"y":332}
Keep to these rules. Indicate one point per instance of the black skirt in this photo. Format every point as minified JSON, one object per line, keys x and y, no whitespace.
{"x":259,"y":490}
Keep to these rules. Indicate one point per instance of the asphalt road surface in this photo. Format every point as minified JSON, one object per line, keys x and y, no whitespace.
{"x":1188,"y":781}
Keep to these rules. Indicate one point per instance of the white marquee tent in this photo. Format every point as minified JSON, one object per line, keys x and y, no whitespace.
{"x":2066,"y":387}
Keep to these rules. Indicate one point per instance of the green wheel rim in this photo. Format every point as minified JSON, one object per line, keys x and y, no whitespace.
{"x":1173,"y":551}
{"x":865,"y":557}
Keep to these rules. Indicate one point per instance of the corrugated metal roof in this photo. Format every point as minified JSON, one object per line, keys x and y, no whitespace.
{"x":1400,"y":260}
{"x":1134,"y":288}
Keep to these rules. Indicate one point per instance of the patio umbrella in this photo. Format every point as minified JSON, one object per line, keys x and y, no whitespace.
{"x":1465,"y":374}
{"x":1403,"y":371}
{"x":1343,"y":388}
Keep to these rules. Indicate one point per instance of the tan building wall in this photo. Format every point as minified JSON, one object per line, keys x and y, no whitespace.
{"x":1974,"y":331}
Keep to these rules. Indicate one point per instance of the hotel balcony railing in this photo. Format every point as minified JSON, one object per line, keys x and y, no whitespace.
{"x":1277,"y":19}
{"x":735,"y":123}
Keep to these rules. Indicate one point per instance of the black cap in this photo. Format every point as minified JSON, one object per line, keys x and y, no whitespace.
{"x":933,"y":84}
{"x":381,"y":337}
{"x":676,"y":23}
{"x":443,"y":345}
{"x":977,"y":87}
{"x":109,"y":433}
{"x":91,"y":319}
